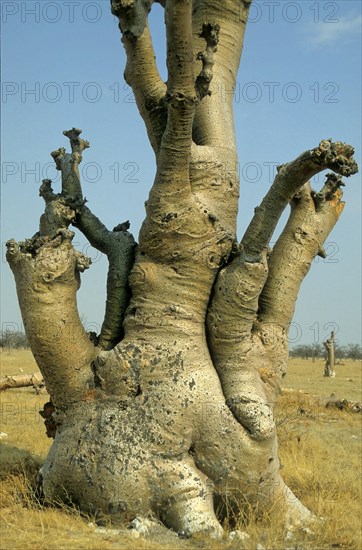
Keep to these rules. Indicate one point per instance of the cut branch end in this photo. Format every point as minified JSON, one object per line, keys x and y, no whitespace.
{"x":77,"y":144}
{"x":330,"y":191}
{"x":336,"y":156}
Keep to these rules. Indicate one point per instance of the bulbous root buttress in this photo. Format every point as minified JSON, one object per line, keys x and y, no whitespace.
{"x":166,"y":447}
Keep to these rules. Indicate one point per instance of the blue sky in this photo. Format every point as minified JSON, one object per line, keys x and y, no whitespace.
{"x":299,"y":82}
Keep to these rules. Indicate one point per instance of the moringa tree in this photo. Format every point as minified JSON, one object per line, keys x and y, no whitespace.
{"x":172,"y":402}
{"x":329,"y":347}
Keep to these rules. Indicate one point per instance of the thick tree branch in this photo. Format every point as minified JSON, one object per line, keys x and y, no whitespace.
{"x":118,"y":245}
{"x":180,"y":82}
{"x":213,"y":123}
{"x":183,"y":92}
{"x":330,"y":155}
{"x":308,"y":226}
{"x":141,"y":71}
{"x":181,"y":96}
{"x":233,"y":331}
{"x":46,"y":271}
{"x":237,"y":289}
{"x":236,"y":353}
{"x":91,"y":226}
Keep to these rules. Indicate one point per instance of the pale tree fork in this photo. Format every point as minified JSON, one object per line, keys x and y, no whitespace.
{"x":173,"y":402}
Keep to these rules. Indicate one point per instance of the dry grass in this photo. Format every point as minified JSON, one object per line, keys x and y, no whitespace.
{"x":320,"y":450}
{"x":14,"y":362}
{"x":306,"y":375}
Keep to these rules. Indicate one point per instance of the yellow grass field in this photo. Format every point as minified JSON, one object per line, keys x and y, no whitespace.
{"x":320,"y":450}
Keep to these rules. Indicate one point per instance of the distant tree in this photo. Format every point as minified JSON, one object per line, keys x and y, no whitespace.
{"x":300,"y":351}
{"x":316,"y":350}
{"x":10,"y":339}
{"x":340,"y":352}
{"x":294,"y":352}
{"x":353,"y":351}
{"x":330,"y":359}
{"x":308,"y":351}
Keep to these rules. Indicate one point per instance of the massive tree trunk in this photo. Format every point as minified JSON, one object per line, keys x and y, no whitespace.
{"x":173,"y":402}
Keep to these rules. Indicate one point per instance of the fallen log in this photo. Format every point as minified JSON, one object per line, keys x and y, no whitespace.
{"x":343,"y":404}
{"x":307,"y":400}
{"x":34,"y":380}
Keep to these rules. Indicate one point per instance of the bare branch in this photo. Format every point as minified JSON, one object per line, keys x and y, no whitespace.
{"x":239,"y":284}
{"x":46,"y":191}
{"x":210,"y":33}
{"x":335,"y":156}
{"x":181,"y":82}
{"x":213,"y":122}
{"x":183,"y":92}
{"x":88,"y":223}
{"x":141,"y":71}
{"x":302,"y":239}
{"x":77,"y":144}
{"x":236,"y":353}
{"x":250,"y":356}
{"x":181,"y":96}
{"x":132,"y":15}
{"x":46,"y":271}
{"x":327,"y":193}
{"x":57,"y":214}
{"x":67,"y":163}
{"x":118,"y":245}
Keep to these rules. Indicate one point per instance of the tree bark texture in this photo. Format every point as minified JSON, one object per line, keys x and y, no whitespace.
{"x":172,"y":403}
